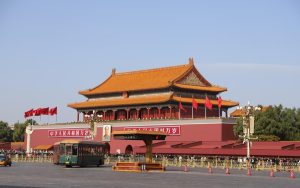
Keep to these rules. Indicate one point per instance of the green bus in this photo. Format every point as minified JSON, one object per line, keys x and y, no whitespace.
{"x":79,"y":153}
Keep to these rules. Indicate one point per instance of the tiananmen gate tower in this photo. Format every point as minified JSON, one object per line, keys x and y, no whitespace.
{"x":151,"y":94}
{"x":176,"y":100}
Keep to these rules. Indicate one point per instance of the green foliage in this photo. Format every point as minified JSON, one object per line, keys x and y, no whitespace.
{"x":19,"y":130}
{"x":276,"y":122}
{"x":268,"y":138}
{"x":5,"y":132}
{"x":30,"y":122}
{"x":238,"y":128}
{"x":16,"y":135}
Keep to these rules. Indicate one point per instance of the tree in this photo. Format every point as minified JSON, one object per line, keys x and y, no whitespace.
{"x":19,"y":130}
{"x":5,"y":132}
{"x":276,"y":122}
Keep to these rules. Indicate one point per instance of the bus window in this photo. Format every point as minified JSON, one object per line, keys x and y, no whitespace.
{"x":90,"y":151}
{"x":62,"y":149}
{"x":94,"y":151}
{"x":68,"y":149}
{"x":79,"y":151}
{"x":74,"y":150}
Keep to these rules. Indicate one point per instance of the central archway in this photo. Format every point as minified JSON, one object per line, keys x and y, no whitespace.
{"x":129,"y":150}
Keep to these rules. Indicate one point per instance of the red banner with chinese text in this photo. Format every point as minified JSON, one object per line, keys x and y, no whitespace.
{"x":170,"y":130}
{"x":68,"y":133}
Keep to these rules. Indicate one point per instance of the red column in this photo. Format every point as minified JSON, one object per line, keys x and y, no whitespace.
{"x":148,"y":109}
{"x":158,"y":112}
{"x":78,"y":116}
{"x":104,"y":115}
{"x":113,"y":114}
{"x":137,"y":113}
{"x":127,"y":115}
{"x":170,"y":112}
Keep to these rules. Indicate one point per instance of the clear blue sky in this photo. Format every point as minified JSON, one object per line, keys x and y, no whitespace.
{"x":49,"y":50}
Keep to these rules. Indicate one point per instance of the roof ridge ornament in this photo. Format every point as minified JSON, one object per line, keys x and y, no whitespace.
{"x":191,"y":61}
{"x":113,"y":71}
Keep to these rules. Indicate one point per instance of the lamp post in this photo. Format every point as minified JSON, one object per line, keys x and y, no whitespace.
{"x":248,"y":124}
{"x":93,"y":128}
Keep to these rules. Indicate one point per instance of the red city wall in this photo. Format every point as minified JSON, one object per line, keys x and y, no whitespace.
{"x":189,"y":132}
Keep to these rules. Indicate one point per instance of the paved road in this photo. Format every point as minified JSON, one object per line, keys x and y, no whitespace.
{"x":48,"y":175}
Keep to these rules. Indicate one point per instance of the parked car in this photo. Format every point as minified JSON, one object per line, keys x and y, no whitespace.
{"x":5,"y":160}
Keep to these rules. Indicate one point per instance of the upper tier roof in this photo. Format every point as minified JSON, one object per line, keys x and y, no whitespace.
{"x":151,"y":79}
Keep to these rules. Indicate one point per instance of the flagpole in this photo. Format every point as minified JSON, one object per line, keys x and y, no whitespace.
{"x":192,"y":107}
{"x":192,"y":112}
{"x":179,"y":113}
{"x":205,"y":106}
{"x":179,"y":108}
{"x":219,"y":105}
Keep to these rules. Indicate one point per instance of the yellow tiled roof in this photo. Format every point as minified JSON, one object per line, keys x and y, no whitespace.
{"x":152,"y":99}
{"x":43,"y":147}
{"x":149,"y":79}
{"x":242,"y":112}
{"x":201,"y":88}
{"x":237,"y":113}
{"x":139,"y":80}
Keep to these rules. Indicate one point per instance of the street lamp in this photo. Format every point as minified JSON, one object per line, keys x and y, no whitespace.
{"x":248,"y":124}
{"x":93,"y":128}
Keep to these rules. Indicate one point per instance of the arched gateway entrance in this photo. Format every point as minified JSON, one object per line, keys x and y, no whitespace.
{"x":129,"y":150}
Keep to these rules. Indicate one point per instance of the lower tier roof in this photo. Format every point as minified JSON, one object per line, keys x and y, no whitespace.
{"x":143,"y":100}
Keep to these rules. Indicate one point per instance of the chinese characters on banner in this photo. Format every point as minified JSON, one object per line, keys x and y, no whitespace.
{"x":170,"y":130}
{"x":68,"y":133}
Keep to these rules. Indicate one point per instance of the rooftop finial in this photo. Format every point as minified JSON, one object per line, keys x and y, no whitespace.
{"x":113,"y":72}
{"x":191,"y":61}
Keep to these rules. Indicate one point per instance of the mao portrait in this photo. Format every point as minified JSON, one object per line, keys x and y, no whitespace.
{"x":106,"y":132}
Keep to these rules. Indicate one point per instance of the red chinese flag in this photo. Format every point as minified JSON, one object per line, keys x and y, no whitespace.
{"x":37,"y":112}
{"x":208,"y":104}
{"x":219,"y":101}
{"x":44,"y":111}
{"x":28,"y":113}
{"x":194,"y":103}
{"x":53,"y":111}
{"x":181,"y":107}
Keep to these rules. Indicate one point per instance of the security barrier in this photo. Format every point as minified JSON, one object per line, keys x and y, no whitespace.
{"x":32,"y":159}
{"x":187,"y":161}
{"x":213,"y":162}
